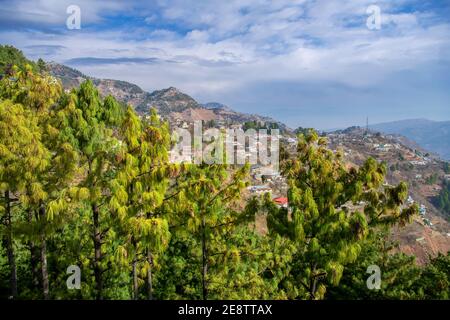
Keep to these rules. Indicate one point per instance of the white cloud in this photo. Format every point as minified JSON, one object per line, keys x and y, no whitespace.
{"x":231,"y":44}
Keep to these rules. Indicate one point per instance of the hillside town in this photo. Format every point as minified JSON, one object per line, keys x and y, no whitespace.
{"x":430,"y":232}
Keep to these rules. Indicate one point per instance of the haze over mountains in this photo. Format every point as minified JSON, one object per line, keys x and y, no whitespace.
{"x":431,"y":135}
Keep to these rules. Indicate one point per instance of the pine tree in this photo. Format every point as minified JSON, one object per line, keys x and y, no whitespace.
{"x":399,"y":272}
{"x":434,"y":280}
{"x":90,"y":130}
{"x":206,"y":210}
{"x":139,"y":190}
{"x":43,"y":196}
{"x":332,"y":209}
{"x":86,"y":181}
{"x":21,"y":154}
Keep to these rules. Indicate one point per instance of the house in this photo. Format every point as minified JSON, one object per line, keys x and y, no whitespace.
{"x":267,"y":172}
{"x":422,"y":210}
{"x":418,"y":163}
{"x":281,"y":201}
{"x":291,"y":141}
{"x":259,"y":189}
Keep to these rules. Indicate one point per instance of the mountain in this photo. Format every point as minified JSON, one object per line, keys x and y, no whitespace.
{"x":430,"y":135}
{"x":123,"y":91}
{"x":172,"y":100}
{"x":171,"y":103}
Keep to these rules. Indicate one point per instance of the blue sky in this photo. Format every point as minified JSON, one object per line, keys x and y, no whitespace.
{"x":304,"y":62}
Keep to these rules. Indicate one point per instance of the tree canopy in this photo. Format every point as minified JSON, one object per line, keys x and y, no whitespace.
{"x":87,"y":183}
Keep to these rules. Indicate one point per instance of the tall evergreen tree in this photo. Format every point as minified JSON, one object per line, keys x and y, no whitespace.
{"x":90,"y":128}
{"x":139,"y":190}
{"x":332,"y":209}
{"x":21,"y":154}
{"x":206,"y":210}
{"x":43,"y":196}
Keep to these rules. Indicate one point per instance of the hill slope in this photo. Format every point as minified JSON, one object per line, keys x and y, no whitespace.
{"x":429,"y":233}
{"x":171,"y":103}
{"x":430,"y":135}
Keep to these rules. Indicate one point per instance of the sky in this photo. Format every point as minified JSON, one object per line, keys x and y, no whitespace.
{"x":310,"y":63}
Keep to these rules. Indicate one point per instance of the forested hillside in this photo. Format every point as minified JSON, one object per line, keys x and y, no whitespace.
{"x":87,"y":183}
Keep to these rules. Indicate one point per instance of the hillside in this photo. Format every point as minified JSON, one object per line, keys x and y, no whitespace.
{"x":429,"y":233}
{"x":11,"y":56}
{"x":407,"y":160}
{"x":430,"y":135}
{"x":426,"y":236}
{"x":171,"y":103}
{"x":85,"y":184}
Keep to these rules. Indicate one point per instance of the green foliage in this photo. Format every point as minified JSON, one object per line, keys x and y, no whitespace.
{"x":443,"y":199}
{"x":86,"y":181}
{"x":399,"y":272}
{"x":256,"y":125}
{"x":446,"y":167}
{"x":332,"y":210}
{"x":304,"y":131}
{"x":401,"y":278}
{"x":431,"y":179}
{"x":11,"y":56}
{"x":434,"y":280}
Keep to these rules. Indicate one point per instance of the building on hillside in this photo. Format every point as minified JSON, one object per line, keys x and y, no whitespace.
{"x":281,"y":202}
{"x":418,"y":163}
{"x":268,"y":173}
{"x":291,"y":141}
{"x":383,"y":147}
{"x":259,"y":189}
{"x":422,"y":210}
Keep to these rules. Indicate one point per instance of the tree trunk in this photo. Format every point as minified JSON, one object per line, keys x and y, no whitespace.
{"x":149,"y":275}
{"x":313,"y":283}
{"x":34,"y":256}
{"x":45,"y":285}
{"x":149,"y":271}
{"x":8,"y":244}
{"x":43,"y":254}
{"x":204,"y":261}
{"x":97,"y":253}
{"x":313,"y":289}
{"x":135,"y":278}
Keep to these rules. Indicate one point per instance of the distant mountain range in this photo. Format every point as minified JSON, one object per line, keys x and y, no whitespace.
{"x":171,"y":103}
{"x":433,"y":136}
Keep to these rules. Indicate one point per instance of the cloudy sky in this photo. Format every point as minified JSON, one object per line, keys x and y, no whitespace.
{"x":304,"y":62}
